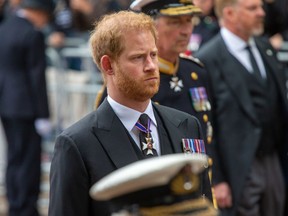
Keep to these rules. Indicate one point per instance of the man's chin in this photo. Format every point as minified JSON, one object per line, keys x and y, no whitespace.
{"x":258,"y":32}
{"x":182,"y":49}
{"x":148,"y":95}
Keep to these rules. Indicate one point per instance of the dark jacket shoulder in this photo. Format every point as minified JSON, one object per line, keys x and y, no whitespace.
{"x":191,"y":59}
{"x":211,"y":48}
{"x":173,"y":114}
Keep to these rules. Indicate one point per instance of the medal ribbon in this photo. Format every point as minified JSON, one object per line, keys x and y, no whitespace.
{"x":193,"y":146}
{"x":142,"y":128}
{"x":202,"y":93}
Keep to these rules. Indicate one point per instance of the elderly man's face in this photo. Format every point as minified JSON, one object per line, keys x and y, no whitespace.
{"x":174,"y":33}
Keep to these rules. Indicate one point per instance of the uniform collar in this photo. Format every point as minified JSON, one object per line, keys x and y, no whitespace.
{"x":167,"y":67}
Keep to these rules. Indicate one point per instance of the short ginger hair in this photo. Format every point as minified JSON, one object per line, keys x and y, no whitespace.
{"x":109,"y":32}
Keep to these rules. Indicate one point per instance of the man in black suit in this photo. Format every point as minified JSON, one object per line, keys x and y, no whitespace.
{"x":182,"y":77}
{"x":124,"y":48}
{"x":23,"y":101}
{"x":250,"y":112}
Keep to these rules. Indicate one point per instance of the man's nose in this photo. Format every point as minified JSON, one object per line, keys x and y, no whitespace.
{"x":151,"y":64}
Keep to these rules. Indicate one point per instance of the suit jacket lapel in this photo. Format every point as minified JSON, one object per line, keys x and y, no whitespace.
{"x":269,"y":56}
{"x":172,"y":124}
{"x":232,"y":72}
{"x":164,"y":141}
{"x":113,"y":137}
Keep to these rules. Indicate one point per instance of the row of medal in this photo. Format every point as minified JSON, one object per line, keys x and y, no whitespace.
{"x":193,"y":146}
{"x":200,"y":99}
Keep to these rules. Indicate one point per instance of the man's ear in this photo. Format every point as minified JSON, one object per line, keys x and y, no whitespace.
{"x":229,"y":12}
{"x":106,"y":65}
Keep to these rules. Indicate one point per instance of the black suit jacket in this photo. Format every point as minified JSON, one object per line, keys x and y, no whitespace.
{"x":237,"y":129}
{"x":23,"y":90}
{"x":94,"y":147}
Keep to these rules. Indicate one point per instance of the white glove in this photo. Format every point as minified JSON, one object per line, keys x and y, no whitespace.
{"x":43,"y":126}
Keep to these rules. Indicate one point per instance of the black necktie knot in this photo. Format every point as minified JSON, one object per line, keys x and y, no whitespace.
{"x":256,"y":70}
{"x":143,"y":119}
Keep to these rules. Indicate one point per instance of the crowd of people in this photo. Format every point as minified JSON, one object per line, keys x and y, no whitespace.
{"x":204,"y":75}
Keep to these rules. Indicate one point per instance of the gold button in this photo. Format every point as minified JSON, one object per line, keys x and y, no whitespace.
{"x":194,"y":76}
{"x":210,"y":161}
{"x":205,"y":118}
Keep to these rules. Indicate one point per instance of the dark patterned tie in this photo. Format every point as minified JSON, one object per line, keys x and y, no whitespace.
{"x":145,"y":136}
{"x":254,"y":64}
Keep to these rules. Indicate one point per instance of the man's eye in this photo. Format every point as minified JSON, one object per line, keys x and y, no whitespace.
{"x":153,"y":55}
{"x":175,"y":23}
{"x":137,"y":57}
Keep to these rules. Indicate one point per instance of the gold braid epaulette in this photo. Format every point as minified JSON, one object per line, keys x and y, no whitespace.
{"x":196,"y":60}
{"x":99,"y":96}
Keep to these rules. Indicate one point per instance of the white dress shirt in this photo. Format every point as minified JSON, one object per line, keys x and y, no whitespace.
{"x":129,"y":117}
{"x":237,"y":47}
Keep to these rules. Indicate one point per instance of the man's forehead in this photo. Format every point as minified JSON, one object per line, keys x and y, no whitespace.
{"x":135,"y":34}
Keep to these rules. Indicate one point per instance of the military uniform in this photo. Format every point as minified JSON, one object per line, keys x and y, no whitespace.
{"x":183,"y":86}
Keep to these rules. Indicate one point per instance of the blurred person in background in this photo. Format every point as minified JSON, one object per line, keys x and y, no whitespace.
{"x":12,"y":7}
{"x":250,"y":112}
{"x":276,"y":22}
{"x":2,"y":6}
{"x":23,"y":102}
{"x":74,"y":19}
{"x":9,"y":7}
{"x":205,"y":25}
{"x":77,"y":16}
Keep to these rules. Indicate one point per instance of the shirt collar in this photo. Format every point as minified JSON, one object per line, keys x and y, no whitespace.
{"x":233,"y":42}
{"x":20,"y":13}
{"x":129,"y":116}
